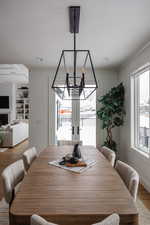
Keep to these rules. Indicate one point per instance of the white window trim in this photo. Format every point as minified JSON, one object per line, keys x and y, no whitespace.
{"x":140,"y":70}
{"x":133,"y":114}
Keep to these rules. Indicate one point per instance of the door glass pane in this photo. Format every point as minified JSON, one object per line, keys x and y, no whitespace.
{"x":144,"y":113}
{"x":64,"y":119}
{"x":88,"y":120}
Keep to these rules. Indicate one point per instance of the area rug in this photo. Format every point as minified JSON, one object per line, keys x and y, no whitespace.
{"x":144,"y":213}
{"x":3,"y":149}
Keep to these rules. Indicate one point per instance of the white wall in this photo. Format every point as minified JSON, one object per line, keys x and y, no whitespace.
{"x":136,"y":159}
{"x":106,"y":80}
{"x":42,"y":105}
{"x":39,"y":104}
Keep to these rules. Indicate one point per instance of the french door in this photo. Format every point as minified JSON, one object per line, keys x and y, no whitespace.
{"x":76,"y":120}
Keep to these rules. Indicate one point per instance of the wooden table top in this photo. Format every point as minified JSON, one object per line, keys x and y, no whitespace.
{"x":67,"y":198}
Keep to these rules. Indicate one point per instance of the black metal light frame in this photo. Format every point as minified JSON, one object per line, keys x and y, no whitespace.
{"x":74,"y":15}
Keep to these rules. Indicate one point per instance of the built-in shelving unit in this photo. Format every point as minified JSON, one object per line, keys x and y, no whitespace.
{"x":22,"y":102}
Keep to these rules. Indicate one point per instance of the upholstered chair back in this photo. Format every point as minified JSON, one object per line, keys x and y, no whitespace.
{"x":11,"y":176}
{"x":38,"y":220}
{"x":111,"y":220}
{"x":29,"y":156}
{"x":129,"y":176}
{"x":67,"y":142}
{"x":109,"y":154}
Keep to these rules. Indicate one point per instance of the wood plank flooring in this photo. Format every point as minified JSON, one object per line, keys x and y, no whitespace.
{"x":144,"y":196}
{"x":10,"y":156}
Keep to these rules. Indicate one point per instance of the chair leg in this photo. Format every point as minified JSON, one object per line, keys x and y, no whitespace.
{"x":10,"y":217}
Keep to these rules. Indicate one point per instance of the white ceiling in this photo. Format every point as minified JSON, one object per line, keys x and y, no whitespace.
{"x":112,"y":29}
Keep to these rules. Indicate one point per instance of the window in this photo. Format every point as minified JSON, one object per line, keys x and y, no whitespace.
{"x":140,"y":109}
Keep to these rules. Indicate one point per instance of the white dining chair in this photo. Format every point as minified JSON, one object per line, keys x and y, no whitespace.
{"x":111,"y":220}
{"x":129,"y":176}
{"x":68,"y":142}
{"x":38,"y":220}
{"x":11,"y":177}
{"x":109,"y":154}
{"x":29,"y":156}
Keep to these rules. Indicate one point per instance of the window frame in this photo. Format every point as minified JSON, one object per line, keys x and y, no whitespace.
{"x":134,"y":104}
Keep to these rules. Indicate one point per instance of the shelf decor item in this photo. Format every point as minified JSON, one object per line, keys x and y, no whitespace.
{"x":75,"y":75}
{"x":22,"y":102}
{"x":25,"y":94}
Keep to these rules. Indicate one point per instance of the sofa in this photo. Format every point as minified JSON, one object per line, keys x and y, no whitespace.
{"x":14,"y":134}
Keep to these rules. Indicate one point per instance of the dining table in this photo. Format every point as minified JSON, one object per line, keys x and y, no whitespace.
{"x":67,"y":198}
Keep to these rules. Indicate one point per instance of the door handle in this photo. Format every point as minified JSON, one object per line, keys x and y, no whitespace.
{"x":78,"y":130}
{"x":73,"y":130}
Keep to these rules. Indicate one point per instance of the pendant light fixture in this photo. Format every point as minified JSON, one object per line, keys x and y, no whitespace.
{"x":75,"y":76}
